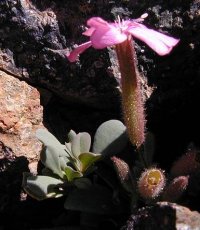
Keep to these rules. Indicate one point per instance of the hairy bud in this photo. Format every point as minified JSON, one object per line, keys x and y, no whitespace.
{"x":121,"y":167}
{"x":123,"y":172}
{"x":176,"y":188}
{"x":187,"y":164}
{"x":151,"y":183}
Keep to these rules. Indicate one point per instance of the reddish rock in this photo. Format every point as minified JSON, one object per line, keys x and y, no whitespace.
{"x":20,"y":115}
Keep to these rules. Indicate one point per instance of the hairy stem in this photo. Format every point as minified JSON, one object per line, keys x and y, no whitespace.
{"x":132,"y":102}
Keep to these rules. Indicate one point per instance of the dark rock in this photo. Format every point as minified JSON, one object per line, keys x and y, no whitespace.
{"x":35,"y":42}
{"x":164,"y":216}
{"x":35,"y":36}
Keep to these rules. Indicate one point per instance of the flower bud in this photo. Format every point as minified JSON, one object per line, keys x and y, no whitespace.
{"x":187,"y":164}
{"x":151,"y":183}
{"x":121,"y":167}
{"x":176,"y":188}
{"x":123,"y":173}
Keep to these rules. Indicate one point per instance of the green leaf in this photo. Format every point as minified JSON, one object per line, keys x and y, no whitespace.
{"x":87,"y":159}
{"x":75,"y":146}
{"x":48,"y":172}
{"x":71,"y":135}
{"x":81,"y":143}
{"x":49,"y":140}
{"x":63,"y":162}
{"x":52,"y":151}
{"x":110,"y":138}
{"x":85,"y":142}
{"x":50,"y":159}
{"x":95,"y":199}
{"x":41,"y":187}
{"x":68,"y":149}
{"x":71,"y":174}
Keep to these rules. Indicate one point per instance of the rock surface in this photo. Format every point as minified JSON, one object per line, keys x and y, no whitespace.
{"x":20,"y":115}
{"x":164,"y":216}
{"x":35,"y":35}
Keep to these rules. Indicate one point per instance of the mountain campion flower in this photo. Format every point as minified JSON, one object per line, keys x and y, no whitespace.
{"x":103,"y":34}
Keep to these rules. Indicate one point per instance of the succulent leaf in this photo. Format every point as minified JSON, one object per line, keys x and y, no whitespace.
{"x":68,"y":149}
{"x":81,"y":143}
{"x":49,"y":157}
{"x":71,"y":135}
{"x":53,"y":150}
{"x":87,"y":159}
{"x":71,"y":174}
{"x":110,"y":138}
{"x":41,"y":187}
{"x":76,"y":146}
{"x":85,"y":142}
{"x":63,"y":162}
{"x":48,"y":139}
{"x":48,"y":172}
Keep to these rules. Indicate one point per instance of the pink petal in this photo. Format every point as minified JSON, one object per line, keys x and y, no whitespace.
{"x":89,"y":31}
{"x":160,"y":43}
{"x":78,"y":50}
{"x":96,"y":22}
{"x":101,"y":38}
{"x":104,"y":34}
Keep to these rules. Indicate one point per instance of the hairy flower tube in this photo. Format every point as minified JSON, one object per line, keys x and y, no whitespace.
{"x":103,"y":34}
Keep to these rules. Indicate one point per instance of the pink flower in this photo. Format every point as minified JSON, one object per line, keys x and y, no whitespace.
{"x":103,"y":34}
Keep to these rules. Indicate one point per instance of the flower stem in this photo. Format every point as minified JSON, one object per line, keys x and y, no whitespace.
{"x":132,"y":102}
